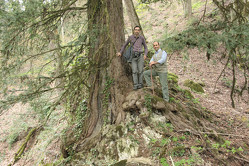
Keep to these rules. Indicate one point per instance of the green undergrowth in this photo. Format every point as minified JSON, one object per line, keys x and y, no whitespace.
{"x":16,"y":131}
{"x":196,"y":87}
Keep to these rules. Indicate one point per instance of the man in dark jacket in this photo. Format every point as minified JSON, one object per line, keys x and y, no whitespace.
{"x":137,"y":61}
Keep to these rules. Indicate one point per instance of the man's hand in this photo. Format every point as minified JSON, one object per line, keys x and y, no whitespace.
{"x":118,"y":54}
{"x":153,"y":63}
{"x":145,"y":57}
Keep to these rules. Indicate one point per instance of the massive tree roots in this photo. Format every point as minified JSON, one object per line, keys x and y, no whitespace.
{"x":156,"y":131}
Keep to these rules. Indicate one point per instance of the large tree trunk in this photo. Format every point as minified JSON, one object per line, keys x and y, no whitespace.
{"x":132,"y":14}
{"x":109,"y":81}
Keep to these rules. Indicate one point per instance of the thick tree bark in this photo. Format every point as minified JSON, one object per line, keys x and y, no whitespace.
{"x":109,"y":81}
{"x":133,"y":17}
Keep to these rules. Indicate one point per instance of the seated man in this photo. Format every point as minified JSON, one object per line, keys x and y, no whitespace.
{"x":158,"y":65}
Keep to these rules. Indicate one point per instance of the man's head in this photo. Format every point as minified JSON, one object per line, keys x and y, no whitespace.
{"x":156,"y":46}
{"x":137,"y":30}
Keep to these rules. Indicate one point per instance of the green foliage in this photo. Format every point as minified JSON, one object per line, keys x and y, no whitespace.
{"x":133,"y":139}
{"x":151,"y":1}
{"x":131,"y":126}
{"x":197,"y":5}
{"x":206,"y":38}
{"x":120,"y":163}
{"x":2,"y":156}
{"x":172,"y":78}
{"x":156,"y":151}
{"x":80,"y":116}
{"x":164,"y":162}
{"x":188,"y":94}
{"x":106,"y":99}
{"x":216,"y":145}
{"x":141,"y":7}
{"x":41,"y":106}
{"x":233,"y":35}
{"x":196,"y":101}
{"x":182,"y":138}
{"x":164,"y":142}
{"x":153,"y":141}
{"x":24,"y":144}
{"x":12,"y":138}
{"x":193,"y":86}
{"x":227,"y":82}
{"x":34,"y":60}
{"x":225,"y":146}
{"x":106,"y":91}
{"x":28,"y":28}
{"x":174,"y":139}
{"x":178,"y":151}
{"x":183,"y":162}
{"x":15,"y":131}
{"x":169,"y":126}
{"x":148,"y":102}
{"x":196,"y":148}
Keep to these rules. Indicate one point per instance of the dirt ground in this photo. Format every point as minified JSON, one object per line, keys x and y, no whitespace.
{"x":217,"y":93}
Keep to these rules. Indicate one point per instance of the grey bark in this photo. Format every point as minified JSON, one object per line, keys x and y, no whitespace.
{"x":132,"y":14}
{"x":187,"y":7}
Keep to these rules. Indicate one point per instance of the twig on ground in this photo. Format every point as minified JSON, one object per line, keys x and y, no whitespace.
{"x":172,"y":161}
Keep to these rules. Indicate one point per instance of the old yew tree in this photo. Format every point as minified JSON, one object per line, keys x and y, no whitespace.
{"x":59,"y":58}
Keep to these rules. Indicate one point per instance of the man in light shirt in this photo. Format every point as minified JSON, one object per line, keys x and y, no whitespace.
{"x":158,"y":65}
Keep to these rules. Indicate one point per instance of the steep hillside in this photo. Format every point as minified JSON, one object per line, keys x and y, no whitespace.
{"x":160,"y":21}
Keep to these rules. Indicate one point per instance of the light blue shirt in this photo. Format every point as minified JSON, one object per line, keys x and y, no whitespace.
{"x":163,"y":59}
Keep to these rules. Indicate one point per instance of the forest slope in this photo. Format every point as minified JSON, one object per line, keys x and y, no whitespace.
{"x":158,"y":21}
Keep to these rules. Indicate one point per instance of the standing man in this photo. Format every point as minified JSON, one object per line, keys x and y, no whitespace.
{"x":137,"y":62}
{"x":159,"y":64}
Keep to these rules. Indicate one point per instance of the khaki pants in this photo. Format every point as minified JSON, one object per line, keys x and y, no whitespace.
{"x":163,"y":81}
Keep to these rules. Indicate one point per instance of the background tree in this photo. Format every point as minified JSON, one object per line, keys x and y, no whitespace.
{"x":187,"y":7}
{"x":131,"y":11}
{"x":32,"y":36}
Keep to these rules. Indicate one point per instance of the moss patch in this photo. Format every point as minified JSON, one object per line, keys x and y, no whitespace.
{"x":193,"y":86}
{"x":178,"y":151}
{"x":119,"y":130}
{"x":23,"y":146}
{"x":172,"y":78}
{"x":120,"y":163}
{"x":188,"y":94}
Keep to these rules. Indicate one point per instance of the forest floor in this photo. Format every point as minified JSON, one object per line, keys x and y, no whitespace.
{"x":191,"y":65}
{"x":194,"y":65}
{"x":159,"y":21}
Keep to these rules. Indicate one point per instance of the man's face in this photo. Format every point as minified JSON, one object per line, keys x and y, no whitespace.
{"x":156,"y":46}
{"x":136,"y":31}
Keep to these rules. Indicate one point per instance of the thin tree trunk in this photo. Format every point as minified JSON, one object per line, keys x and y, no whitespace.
{"x":133,"y":17}
{"x":187,"y":7}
